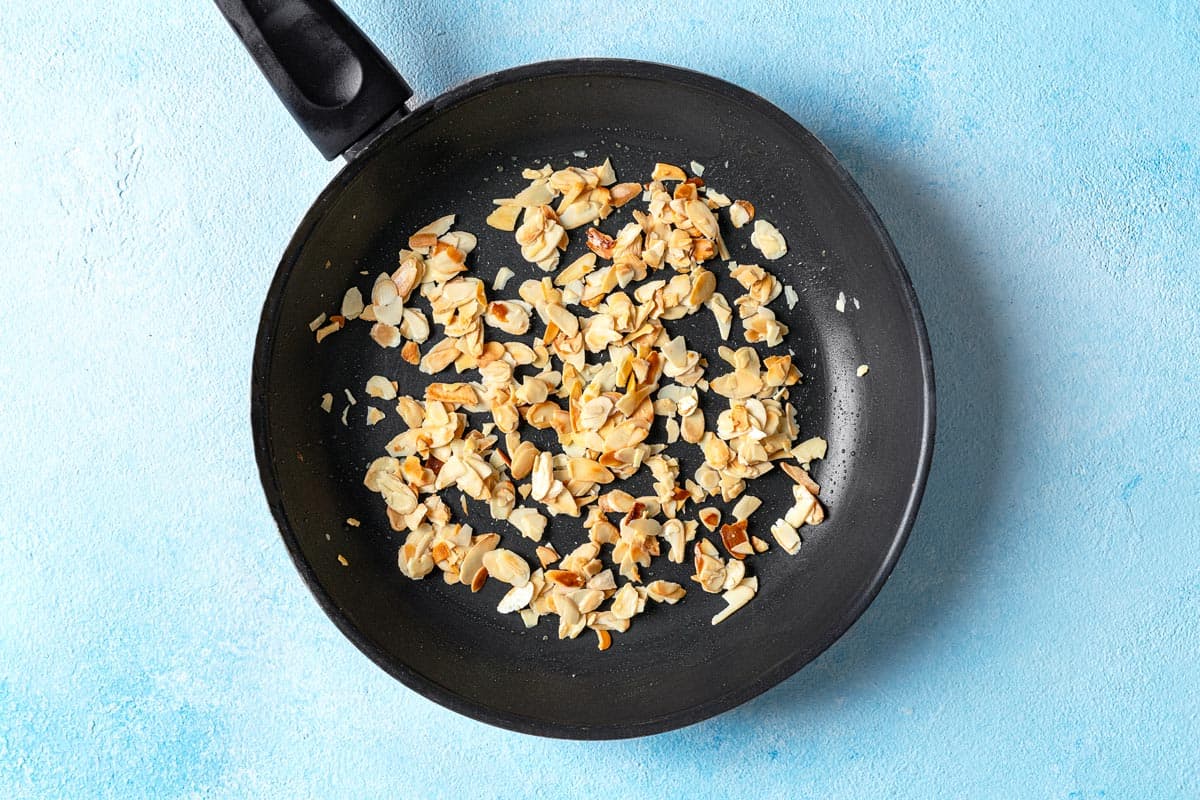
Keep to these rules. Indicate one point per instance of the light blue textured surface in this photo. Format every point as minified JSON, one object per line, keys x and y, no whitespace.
{"x":1038,"y":169}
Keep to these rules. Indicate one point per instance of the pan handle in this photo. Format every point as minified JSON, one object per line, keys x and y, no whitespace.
{"x":338,"y":87}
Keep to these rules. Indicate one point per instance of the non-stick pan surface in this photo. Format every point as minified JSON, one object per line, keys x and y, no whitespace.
{"x":673,"y":667}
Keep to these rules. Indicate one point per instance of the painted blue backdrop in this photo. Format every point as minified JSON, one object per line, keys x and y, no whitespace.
{"x":1037,"y":165}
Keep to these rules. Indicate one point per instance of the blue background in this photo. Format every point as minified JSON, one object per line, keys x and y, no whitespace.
{"x":1038,"y":169}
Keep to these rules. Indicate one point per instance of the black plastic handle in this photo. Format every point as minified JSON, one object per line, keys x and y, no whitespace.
{"x":337,"y":85}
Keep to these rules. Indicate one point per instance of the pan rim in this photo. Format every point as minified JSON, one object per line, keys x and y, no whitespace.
{"x":264,"y":449}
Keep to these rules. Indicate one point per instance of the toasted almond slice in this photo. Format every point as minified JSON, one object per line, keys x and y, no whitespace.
{"x":622,"y":193}
{"x":546,"y":555}
{"x":506,"y":566}
{"x":454,"y":393}
{"x":570,"y":621}
{"x":504,"y":218}
{"x":710,"y":517}
{"x":665,"y":592}
{"x":477,"y":581}
{"x":603,"y":639}
{"x":473,"y":560}
{"x":740,"y":213}
{"x":692,"y":427}
{"x":800,"y":476}
{"x":386,"y":335}
{"x":624,"y":604}
{"x":600,"y":243}
{"x":327,"y":402}
{"x":564,"y":578}
{"x":427,"y":237}
{"x":323,"y":333}
{"x":667,"y":172}
{"x":733,"y":536}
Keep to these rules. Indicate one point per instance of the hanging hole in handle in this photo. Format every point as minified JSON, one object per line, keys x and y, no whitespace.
{"x":322,"y":67}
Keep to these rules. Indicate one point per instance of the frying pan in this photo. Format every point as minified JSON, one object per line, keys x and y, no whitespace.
{"x":405,"y":168}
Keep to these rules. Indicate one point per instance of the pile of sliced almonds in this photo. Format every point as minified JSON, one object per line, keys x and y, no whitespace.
{"x":598,"y":375}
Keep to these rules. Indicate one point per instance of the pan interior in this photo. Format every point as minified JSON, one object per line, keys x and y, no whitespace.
{"x":672,"y":667}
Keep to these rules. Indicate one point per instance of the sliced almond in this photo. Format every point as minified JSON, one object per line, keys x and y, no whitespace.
{"x":736,"y":598}
{"x":667,"y":172}
{"x":769,"y":241}
{"x":504,"y":218}
{"x":506,"y":566}
{"x":515,"y":599}
{"x":733,"y":536}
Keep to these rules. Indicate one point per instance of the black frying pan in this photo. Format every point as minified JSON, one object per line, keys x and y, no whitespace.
{"x":405,"y":168}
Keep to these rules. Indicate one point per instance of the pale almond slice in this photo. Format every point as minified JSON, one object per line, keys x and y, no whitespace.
{"x":502,"y":277}
{"x":790,"y":297}
{"x":736,"y":598}
{"x":786,"y":536}
{"x":381,"y":387}
{"x":352,"y":303}
{"x":746,"y":506}
{"x":769,"y":241}
{"x":515,"y":599}
{"x":735,"y":571}
{"x":529,"y":522}
{"x":810,"y":450}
